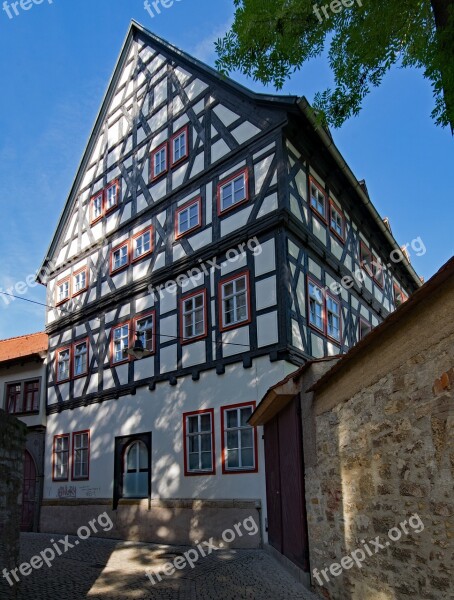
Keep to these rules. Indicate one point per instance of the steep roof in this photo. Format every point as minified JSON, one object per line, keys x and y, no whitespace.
{"x":24,"y":346}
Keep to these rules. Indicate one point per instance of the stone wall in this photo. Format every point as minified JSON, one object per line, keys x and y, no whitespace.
{"x":12,"y":445}
{"x":385,"y":452}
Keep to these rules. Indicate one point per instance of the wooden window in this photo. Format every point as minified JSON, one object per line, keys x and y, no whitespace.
{"x":112,"y":195}
{"x":81,"y":455}
{"x":187,"y":217}
{"x":97,"y":207}
{"x":233,"y":191}
{"x":145,"y":325}
{"x":337,"y":222}
{"x":364,"y":328}
{"x":31,"y":396}
{"x":333,"y":318}
{"x":142,"y":244}
{"x":63,"y":291}
{"x":119,"y":258}
{"x":316,"y":312}
{"x":80,"y":281}
{"x":159,"y":161}
{"x":198,"y":429}
{"x":136,"y":471}
{"x":235,"y":301}
{"x":80,"y":358}
{"x":63,"y":364}
{"x":120,"y":343}
{"x":366,"y":259}
{"x":399,"y":296}
{"x":239,"y":439}
{"x":61,"y":457}
{"x":378,"y":271}
{"x":193,"y":317}
{"x":317,"y":198}
{"x":179,"y":146}
{"x":13,"y":398}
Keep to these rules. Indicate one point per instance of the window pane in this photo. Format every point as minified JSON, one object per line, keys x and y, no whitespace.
{"x":247,"y":457}
{"x":232,"y":419}
{"x":232,"y":440}
{"x":205,"y":442}
{"x":206,"y":460}
{"x":205,"y":422}
{"x":193,"y":424}
{"x":245,"y":414}
{"x":232,"y":459}
{"x":246,"y":438}
{"x":193,"y":462}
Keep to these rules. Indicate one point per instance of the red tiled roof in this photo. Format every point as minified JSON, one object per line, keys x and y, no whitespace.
{"x":23,"y":346}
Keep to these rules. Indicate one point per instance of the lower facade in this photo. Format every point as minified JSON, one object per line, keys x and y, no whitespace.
{"x":173,"y":465}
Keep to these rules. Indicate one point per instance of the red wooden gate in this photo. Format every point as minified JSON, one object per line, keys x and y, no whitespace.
{"x":287,"y":519}
{"x":28,"y":493}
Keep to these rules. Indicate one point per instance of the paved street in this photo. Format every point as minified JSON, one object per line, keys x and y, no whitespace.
{"x":99,"y":569}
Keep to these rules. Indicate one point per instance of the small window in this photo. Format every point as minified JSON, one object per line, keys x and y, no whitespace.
{"x":61,"y":457}
{"x":13,"y":398}
{"x":239,"y":439}
{"x":318,"y":199}
{"x":378,"y":271}
{"x":337,"y":222}
{"x":159,"y":161}
{"x":120,"y":343}
{"x":179,"y":146}
{"x":81,"y":455}
{"x":145,"y":326}
{"x":136,"y":471}
{"x":399,"y":296}
{"x":188,"y":217}
{"x":97,"y":207}
{"x":366,"y":258}
{"x":120,"y":257}
{"x":233,"y":192}
{"x":80,"y":281}
{"x":235,"y":301}
{"x":63,"y":364}
{"x":63,"y":291}
{"x":80,"y":359}
{"x":112,"y":195}
{"x":364,"y":328}
{"x":199,"y":443}
{"x":142,"y":244}
{"x":193,"y":316}
{"x":31,"y":396}
{"x":316,"y":316}
{"x":333,"y":318}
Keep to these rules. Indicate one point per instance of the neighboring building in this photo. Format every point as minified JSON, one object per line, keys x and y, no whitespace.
{"x":23,"y":387}
{"x":376,"y":433}
{"x":184,"y":168}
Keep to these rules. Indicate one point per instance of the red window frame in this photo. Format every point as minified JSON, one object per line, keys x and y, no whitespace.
{"x":335,"y":208}
{"x":187,"y":472}
{"x":224,"y":182}
{"x":62,"y":435}
{"x":324,"y":217}
{"x":128,"y":262}
{"x":225,"y":469}
{"x":78,"y":272}
{"x":57,"y":354}
{"x":180,"y":209}
{"x":64,"y":280}
{"x":154,"y":177}
{"x":364,"y":322}
{"x":203,"y":293}
{"x":312,"y":325}
{"x":145,"y":315}
{"x":184,"y":129}
{"x":364,"y":252}
{"x":73,"y":357}
{"x":222,"y":282}
{"x":73,"y":478}
{"x":137,"y":235}
{"x":116,"y":183}
{"x":93,"y":219}
{"x":337,"y":299}
{"x":379,"y":280}
{"x":114,"y":363}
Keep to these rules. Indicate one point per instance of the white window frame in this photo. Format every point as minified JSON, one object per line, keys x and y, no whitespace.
{"x":118,"y":343}
{"x":236,"y":294}
{"x":175,"y":141}
{"x":318,"y":199}
{"x":82,"y":275}
{"x":238,"y":429}
{"x":331,"y":316}
{"x":162,"y":162}
{"x":66,"y":362}
{"x":338,"y":222}
{"x":95,"y":212}
{"x":148,"y":341}
{"x":112,"y":186}
{"x":184,"y":211}
{"x":314,"y":301}
{"x":189,"y":310}
{"x":230,"y":185}
{"x":63,"y":286}
{"x":199,"y":433}
{"x":81,"y":449}
{"x":135,"y":244}
{"x":78,"y":354}
{"x":58,"y":463}
{"x":119,"y":250}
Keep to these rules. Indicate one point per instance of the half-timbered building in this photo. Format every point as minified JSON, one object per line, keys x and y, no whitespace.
{"x":222,"y":230}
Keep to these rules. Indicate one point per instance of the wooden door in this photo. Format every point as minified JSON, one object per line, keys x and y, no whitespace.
{"x":28,"y":493}
{"x":273,"y":484}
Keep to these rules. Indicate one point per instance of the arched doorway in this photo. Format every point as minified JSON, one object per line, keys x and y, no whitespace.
{"x":28,"y":493}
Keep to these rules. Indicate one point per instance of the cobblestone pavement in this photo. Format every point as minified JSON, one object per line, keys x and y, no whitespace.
{"x":99,"y":569}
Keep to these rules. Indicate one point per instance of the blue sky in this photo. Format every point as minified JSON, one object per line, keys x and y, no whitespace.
{"x":55,"y":63}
